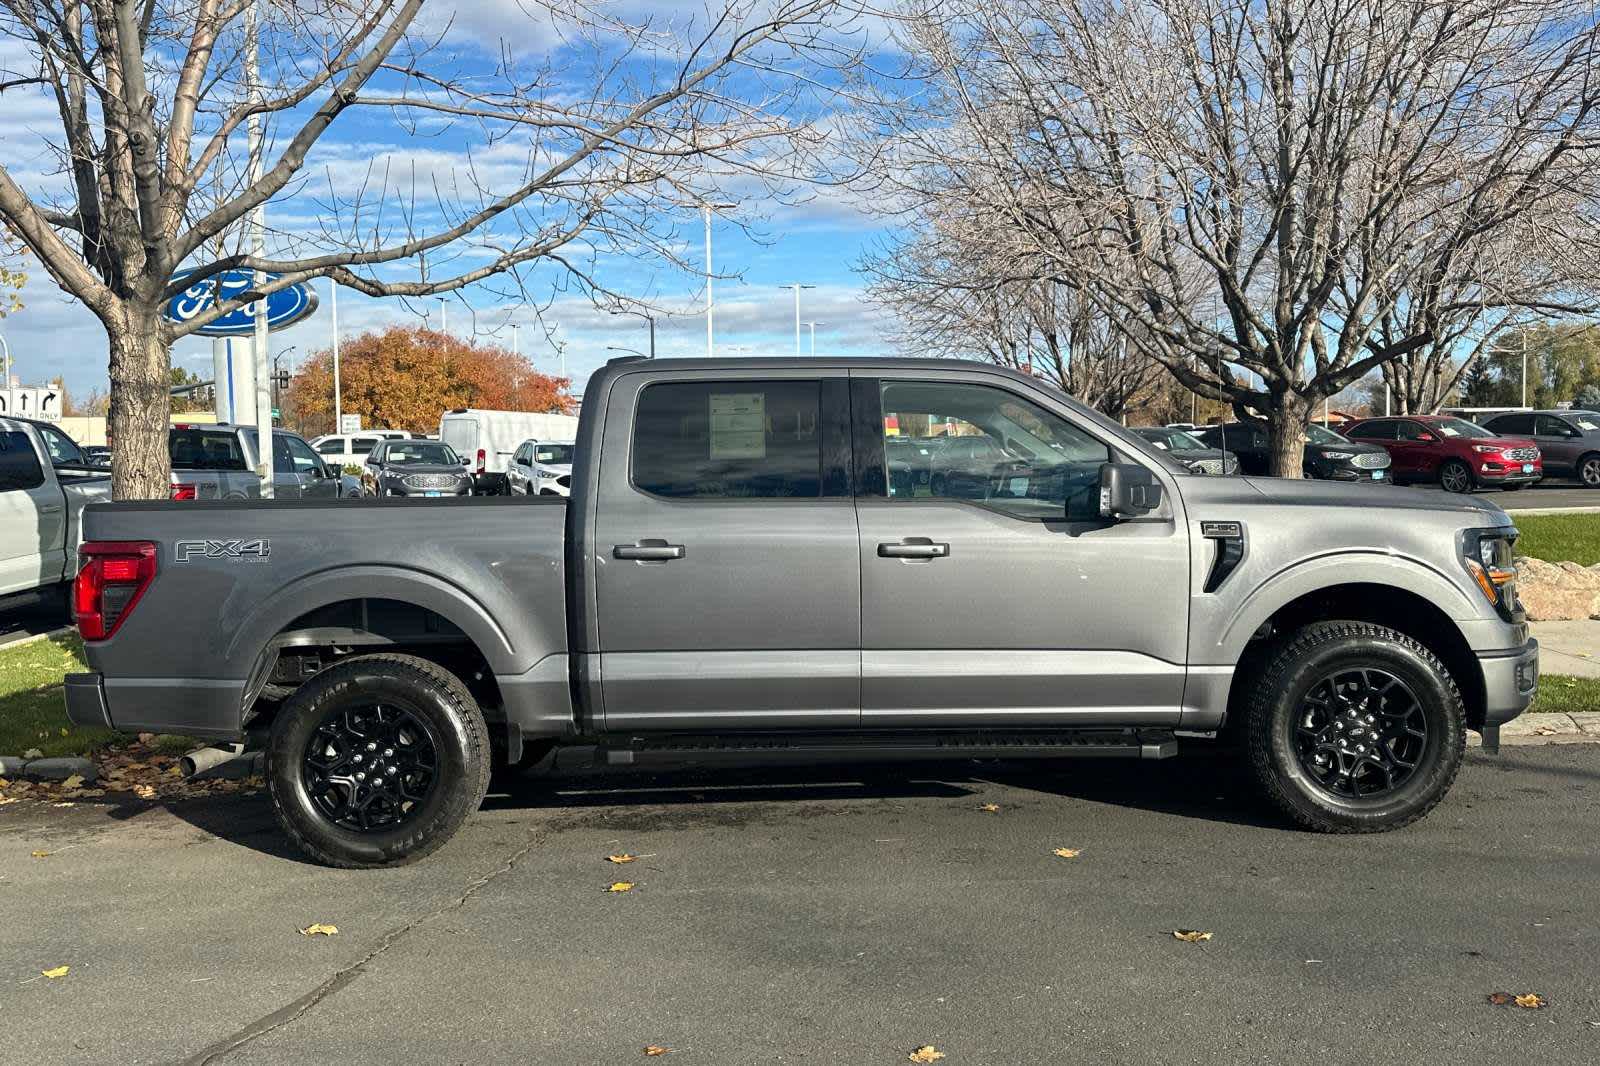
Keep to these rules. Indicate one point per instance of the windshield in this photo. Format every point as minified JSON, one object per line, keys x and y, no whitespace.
{"x":421,"y":451}
{"x":1179,"y":441}
{"x":1458,"y":427}
{"x":1322,"y":435}
{"x":554,"y":454}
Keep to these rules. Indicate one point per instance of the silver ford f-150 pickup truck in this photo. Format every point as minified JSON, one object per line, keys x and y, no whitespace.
{"x":742,"y":574}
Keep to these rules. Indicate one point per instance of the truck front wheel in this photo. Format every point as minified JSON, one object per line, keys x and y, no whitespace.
{"x":1354,"y":728}
{"x":377,"y":761}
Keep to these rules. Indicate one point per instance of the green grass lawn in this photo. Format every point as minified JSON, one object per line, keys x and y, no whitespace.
{"x":32,"y":714}
{"x":1559,"y":538}
{"x":1567,"y":694}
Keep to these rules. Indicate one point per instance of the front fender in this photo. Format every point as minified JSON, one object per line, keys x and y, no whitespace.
{"x":313,"y":591}
{"x":1225,"y":645}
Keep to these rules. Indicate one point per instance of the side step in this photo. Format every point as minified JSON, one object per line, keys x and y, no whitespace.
{"x":779,"y":749}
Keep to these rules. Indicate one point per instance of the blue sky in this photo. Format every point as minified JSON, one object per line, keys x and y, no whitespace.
{"x":813,"y":237}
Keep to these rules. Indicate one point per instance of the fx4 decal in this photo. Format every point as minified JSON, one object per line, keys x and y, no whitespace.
{"x":257,"y":549}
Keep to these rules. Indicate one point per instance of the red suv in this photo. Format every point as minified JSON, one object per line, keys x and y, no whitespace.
{"x":1458,"y":454}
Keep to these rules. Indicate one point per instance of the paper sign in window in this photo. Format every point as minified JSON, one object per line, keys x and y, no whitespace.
{"x":738,"y":425}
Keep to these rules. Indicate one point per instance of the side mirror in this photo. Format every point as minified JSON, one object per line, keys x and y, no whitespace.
{"x":466,"y":460}
{"x":1127,"y":490}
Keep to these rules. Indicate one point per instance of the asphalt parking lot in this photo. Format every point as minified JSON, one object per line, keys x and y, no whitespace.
{"x":824,"y":918}
{"x":1552,"y":494}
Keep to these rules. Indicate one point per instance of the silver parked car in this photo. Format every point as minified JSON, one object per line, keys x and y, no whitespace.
{"x":1569,"y":441}
{"x":541,"y":468}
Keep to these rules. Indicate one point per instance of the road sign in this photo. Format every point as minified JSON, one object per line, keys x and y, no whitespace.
{"x":349,"y":423}
{"x":284,"y":307}
{"x":43,"y":403}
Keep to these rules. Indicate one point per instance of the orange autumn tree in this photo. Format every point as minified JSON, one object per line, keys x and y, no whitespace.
{"x":404,"y":377}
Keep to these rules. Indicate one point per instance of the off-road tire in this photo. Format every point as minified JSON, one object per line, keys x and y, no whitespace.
{"x":459,"y":734}
{"x":1275,"y":699}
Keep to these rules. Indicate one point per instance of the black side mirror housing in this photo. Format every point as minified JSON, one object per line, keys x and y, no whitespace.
{"x":1127,"y":490}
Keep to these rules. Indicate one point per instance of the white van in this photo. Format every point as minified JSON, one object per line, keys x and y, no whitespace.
{"x":488,"y":440}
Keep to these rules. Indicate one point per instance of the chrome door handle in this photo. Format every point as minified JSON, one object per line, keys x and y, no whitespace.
{"x":50,"y":508}
{"x":657,"y":551}
{"x":913,"y":548}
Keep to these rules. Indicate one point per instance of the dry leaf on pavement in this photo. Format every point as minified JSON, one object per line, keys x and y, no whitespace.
{"x":621,"y":886}
{"x":1067,"y":853}
{"x":656,"y":1049}
{"x":990,"y":807}
{"x":1527,"y":1001}
{"x":624,"y":857}
{"x":1530,"y":1001}
{"x":319,"y":929}
{"x":75,"y":781}
{"x":926,"y":1053}
{"x":1191,"y":936}
{"x":59,"y":971}
{"x":41,"y":854}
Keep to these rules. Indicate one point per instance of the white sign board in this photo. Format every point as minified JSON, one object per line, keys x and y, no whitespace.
{"x":349,"y":423}
{"x":43,"y":403}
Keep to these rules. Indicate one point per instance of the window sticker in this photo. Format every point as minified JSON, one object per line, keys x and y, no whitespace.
{"x":738,"y":425}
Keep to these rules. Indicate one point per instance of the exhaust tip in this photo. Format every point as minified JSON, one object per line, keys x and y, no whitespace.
{"x":200,"y":760}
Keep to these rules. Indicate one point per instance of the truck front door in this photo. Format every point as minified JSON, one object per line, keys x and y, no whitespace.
{"x":727,"y":584}
{"x":1002,"y":598}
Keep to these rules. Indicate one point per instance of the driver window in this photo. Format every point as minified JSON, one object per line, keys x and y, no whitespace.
{"x":63,"y":452}
{"x":1550,"y":426}
{"x":300,"y":454}
{"x":984,"y":445}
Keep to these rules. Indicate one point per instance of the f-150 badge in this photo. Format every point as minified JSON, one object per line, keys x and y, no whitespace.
{"x":257,"y":549}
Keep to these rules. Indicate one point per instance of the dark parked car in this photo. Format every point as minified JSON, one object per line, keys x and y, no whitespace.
{"x":1458,"y":454}
{"x":1328,"y":456}
{"x":1190,"y":451}
{"x":415,"y":468}
{"x":1568,"y":440}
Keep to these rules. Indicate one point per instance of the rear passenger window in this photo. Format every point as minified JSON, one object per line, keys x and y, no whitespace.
{"x":729,"y":440}
{"x":19,"y":463}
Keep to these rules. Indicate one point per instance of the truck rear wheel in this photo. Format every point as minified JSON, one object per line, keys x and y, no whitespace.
{"x":1354,"y":728}
{"x":377,"y":761}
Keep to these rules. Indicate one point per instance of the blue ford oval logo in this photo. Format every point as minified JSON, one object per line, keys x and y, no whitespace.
{"x":284,"y":307}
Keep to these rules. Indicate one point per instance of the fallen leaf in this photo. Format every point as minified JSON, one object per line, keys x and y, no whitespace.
{"x":63,"y":730}
{"x":59,"y":971}
{"x":1530,"y":1001}
{"x":147,"y":792}
{"x":7,"y":799}
{"x":1067,"y":853}
{"x":621,"y":886}
{"x":41,"y":854}
{"x":656,"y":1049}
{"x":4,"y":782}
{"x":75,"y":781}
{"x":1501,"y":999}
{"x":624,"y":857}
{"x":1191,"y":936}
{"x":926,"y":1053}
{"x":990,"y":808}
{"x":319,"y":929}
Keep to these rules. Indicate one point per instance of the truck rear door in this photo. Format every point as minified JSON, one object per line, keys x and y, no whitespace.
{"x":728,"y":587}
{"x":33,"y":514}
{"x":994,"y":594}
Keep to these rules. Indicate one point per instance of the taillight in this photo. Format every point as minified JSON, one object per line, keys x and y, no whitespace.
{"x":112,"y":575}
{"x":483,"y":460}
{"x":184,"y":492}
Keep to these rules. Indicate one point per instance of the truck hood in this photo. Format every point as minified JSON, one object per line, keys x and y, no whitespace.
{"x":402,"y":469}
{"x":1305,"y":492}
{"x":555,"y":469}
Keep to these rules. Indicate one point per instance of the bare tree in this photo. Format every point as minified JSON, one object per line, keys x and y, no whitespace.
{"x":595,"y":147}
{"x":1242,"y":187}
{"x":950,"y":299}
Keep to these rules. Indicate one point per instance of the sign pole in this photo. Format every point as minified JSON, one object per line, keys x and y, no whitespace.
{"x":333,"y":307}
{"x":260,"y":361}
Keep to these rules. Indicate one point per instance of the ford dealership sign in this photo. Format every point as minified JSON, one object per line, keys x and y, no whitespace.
{"x":284,"y":307}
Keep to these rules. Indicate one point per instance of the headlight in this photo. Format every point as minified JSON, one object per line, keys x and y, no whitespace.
{"x":1489,"y":449}
{"x":1487,"y":554}
{"x":1338,"y":455}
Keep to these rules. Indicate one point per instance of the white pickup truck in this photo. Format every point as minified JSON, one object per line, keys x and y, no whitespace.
{"x":45,"y":479}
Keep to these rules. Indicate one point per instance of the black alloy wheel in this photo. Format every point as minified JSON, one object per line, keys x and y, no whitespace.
{"x":1361,"y":732}
{"x":369,"y":768}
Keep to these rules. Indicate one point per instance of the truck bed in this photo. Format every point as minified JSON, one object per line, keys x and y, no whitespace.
{"x":236,"y":577}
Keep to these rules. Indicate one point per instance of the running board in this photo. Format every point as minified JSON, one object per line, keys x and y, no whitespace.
{"x":682,"y":749}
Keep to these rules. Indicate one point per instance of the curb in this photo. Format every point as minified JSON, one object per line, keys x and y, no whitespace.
{"x":22,"y":642}
{"x":48,"y":769}
{"x":1575,"y":509}
{"x":1547,"y":727}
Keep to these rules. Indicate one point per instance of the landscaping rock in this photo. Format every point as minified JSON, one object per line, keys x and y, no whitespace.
{"x":11,"y":765}
{"x":1553,"y":592}
{"x":61,"y":769}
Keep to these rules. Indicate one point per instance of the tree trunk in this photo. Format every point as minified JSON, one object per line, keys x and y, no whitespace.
{"x":1286,"y":432}
{"x":141,"y":400}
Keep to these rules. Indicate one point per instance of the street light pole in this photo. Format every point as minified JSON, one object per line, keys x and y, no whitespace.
{"x":260,"y":362}
{"x":796,"y":286}
{"x":648,"y":317}
{"x":705,"y":212}
{"x":1524,"y":367}
{"x":516,"y":340}
{"x":813,"y":328}
{"x":338,"y":400}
